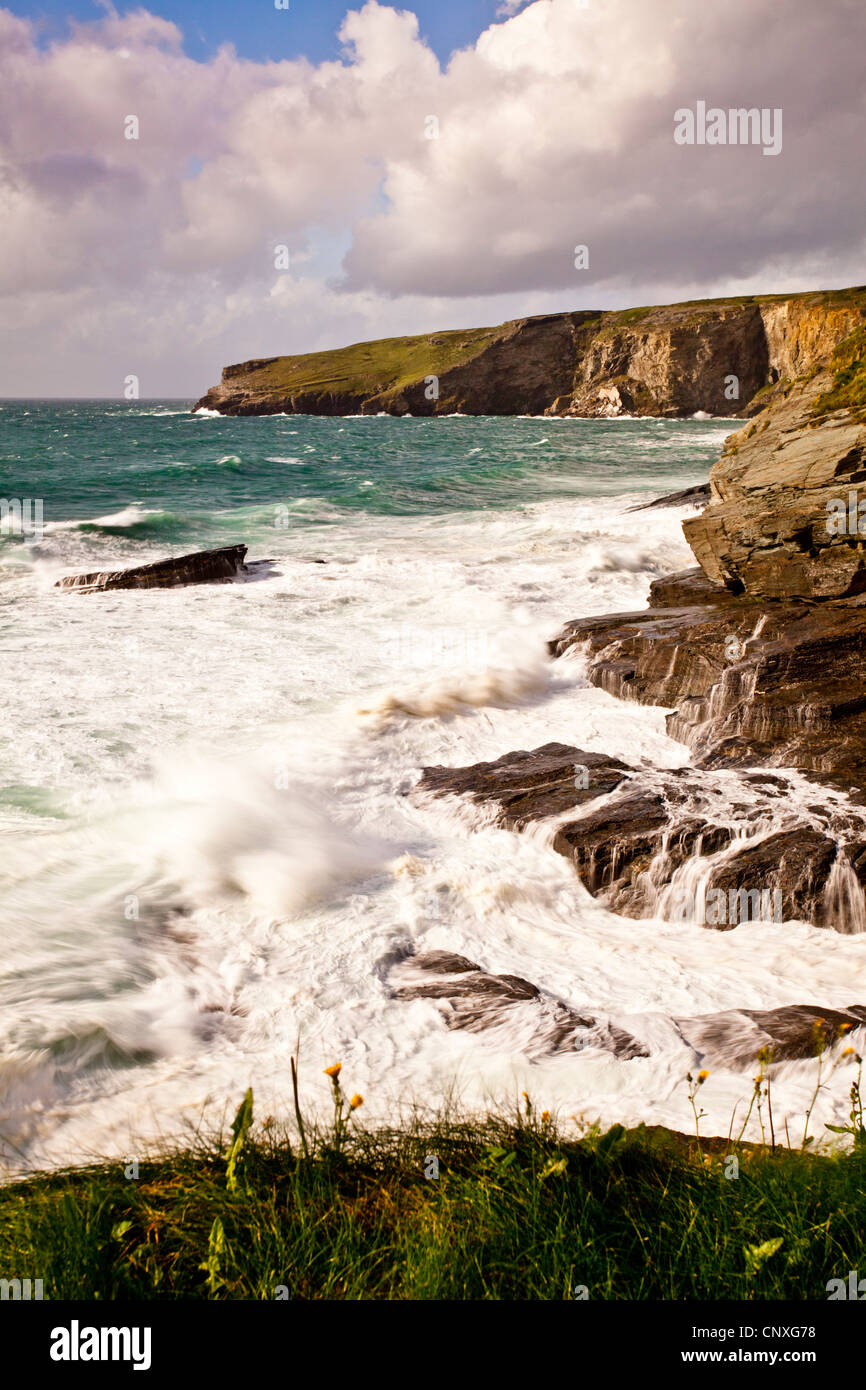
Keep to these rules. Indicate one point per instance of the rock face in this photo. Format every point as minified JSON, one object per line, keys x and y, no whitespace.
{"x":787,"y":512}
{"x":203,"y":567}
{"x":749,"y":680}
{"x":635,"y":836}
{"x":724,"y":357}
{"x":783,"y":518}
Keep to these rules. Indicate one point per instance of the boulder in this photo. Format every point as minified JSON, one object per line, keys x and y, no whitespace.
{"x":202,"y":567}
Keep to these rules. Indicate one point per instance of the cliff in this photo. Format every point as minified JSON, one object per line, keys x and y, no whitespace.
{"x":785,"y":519}
{"x":725,"y":357}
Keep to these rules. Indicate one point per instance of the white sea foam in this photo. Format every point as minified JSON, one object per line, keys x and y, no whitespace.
{"x":228,"y":850}
{"x":133,"y":515}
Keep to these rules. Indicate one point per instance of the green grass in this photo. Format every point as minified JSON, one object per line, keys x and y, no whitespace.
{"x":848,"y":391}
{"x":516,"y":1213}
{"x":367,"y":369}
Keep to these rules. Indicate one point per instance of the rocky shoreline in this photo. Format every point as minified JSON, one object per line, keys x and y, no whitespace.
{"x":758,"y":654}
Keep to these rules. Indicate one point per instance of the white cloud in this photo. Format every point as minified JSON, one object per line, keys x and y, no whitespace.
{"x":554,"y":129}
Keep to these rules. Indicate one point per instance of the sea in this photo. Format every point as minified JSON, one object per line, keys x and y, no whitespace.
{"x":212,"y":844}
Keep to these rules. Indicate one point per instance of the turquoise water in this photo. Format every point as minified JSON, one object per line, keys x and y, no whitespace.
{"x":198,"y":478}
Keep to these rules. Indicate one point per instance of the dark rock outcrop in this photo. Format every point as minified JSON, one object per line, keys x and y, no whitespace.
{"x":202,"y":567}
{"x":543,"y":1026}
{"x":530,"y":786}
{"x":629,"y":831}
{"x":689,"y":497}
{"x":748,"y":681}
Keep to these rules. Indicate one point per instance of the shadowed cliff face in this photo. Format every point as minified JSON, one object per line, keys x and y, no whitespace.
{"x":724,"y":357}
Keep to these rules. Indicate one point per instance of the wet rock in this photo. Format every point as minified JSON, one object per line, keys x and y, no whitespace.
{"x":473,"y":1000}
{"x":691,"y":496}
{"x":793,"y":866}
{"x":748,"y":681}
{"x":628,"y":847}
{"x":515,"y":1012}
{"x":528,"y":786}
{"x":736,"y":1037}
{"x":687,"y":588}
{"x":203,"y":567}
{"x":629,"y":832}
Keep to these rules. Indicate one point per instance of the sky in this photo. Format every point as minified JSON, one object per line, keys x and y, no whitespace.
{"x":263,"y":33}
{"x":186,"y":185}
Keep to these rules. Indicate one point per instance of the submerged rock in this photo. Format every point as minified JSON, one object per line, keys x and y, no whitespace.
{"x":472,"y":999}
{"x":689,"y":497}
{"x":791,"y":1033}
{"x":202,"y":567}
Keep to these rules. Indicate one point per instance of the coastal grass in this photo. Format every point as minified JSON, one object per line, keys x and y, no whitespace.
{"x":498,"y":1208}
{"x":848,"y":391}
{"x":368,"y":369}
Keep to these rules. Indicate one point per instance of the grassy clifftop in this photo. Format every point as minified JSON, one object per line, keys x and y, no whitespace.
{"x":366,"y":369}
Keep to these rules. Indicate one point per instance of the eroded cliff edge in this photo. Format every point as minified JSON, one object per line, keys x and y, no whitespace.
{"x":725,"y":357}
